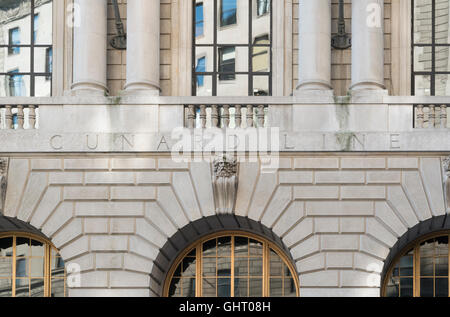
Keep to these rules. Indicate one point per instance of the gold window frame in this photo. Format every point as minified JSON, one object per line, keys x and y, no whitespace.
{"x":415,"y":246}
{"x":267,"y":246}
{"x":48,"y":247}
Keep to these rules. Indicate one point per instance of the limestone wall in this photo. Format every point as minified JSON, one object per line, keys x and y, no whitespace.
{"x":338,"y":214}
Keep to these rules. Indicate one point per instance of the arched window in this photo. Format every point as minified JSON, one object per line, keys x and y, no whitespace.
{"x":232,"y":265}
{"x":30,"y":267}
{"x":422,"y":270}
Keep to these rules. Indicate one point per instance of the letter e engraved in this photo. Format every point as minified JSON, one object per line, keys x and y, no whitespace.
{"x":395,"y":141}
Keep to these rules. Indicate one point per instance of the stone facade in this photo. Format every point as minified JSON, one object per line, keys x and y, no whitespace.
{"x":92,"y":168}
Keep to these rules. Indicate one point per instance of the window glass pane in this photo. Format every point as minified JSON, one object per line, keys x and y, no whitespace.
{"x":23,"y":247}
{"x":423,"y":59}
{"x":442,"y":22}
{"x":441,"y":287}
{"x":406,"y":287}
{"x":233,"y":25}
{"x":443,"y":85}
{"x":6,"y":247}
{"x":276,"y":287}
{"x":209,"y":266}
{"x":241,"y":287}
{"x":442,"y":59}
{"x":236,"y":87}
{"x":16,"y":22}
{"x":209,"y":248}
{"x":57,"y":288}
{"x":441,"y":266}
{"x":422,"y":21}
{"x":224,"y":267}
{"x":5,"y":287}
{"x":426,"y":266}
{"x":188,"y":287}
{"x":255,"y":287}
{"x":199,"y":19}
{"x":289,"y":288}
{"x":206,"y":88}
{"x":422,"y":85}
{"x":22,"y":287}
{"x":227,"y":63}
{"x":256,"y":266}
{"x":263,"y":7}
{"x":426,"y":287}
{"x":261,"y":85}
{"x":37,"y":288}
{"x":224,"y":246}
{"x":175,"y":287}
{"x":37,"y":267}
{"x":16,"y":63}
{"x":5,"y":267}
{"x":204,"y":22}
{"x":241,"y":246}
{"x":256,"y":247}
{"x":241,"y":266}
{"x":209,"y":287}
{"x":228,"y":12}
{"x":261,"y":59}
{"x":224,"y":287}
{"x":189,"y":267}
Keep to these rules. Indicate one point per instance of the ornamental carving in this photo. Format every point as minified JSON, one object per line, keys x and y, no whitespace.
{"x":446,"y":165}
{"x":225,"y":184}
{"x":3,"y":178}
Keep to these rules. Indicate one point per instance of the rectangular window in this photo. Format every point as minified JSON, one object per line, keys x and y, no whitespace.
{"x":48,"y":63}
{"x":227,"y":63}
{"x":239,"y":58}
{"x":35,"y":27}
{"x":199,"y":20}
{"x":16,"y":84}
{"x":431,"y":48}
{"x":228,"y":12}
{"x":201,"y":68}
{"x":263,"y":7}
{"x":29,"y":42}
{"x":14,"y":39}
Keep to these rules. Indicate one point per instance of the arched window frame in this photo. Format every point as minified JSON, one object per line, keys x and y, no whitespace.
{"x":47,"y":260}
{"x":415,"y":246}
{"x":267,"y":246}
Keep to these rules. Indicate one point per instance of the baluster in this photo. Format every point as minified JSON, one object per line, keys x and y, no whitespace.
{"x":8,"y":117}
{"x":238,"y":116}
{"x":443,"y":116}
{"x":260,"y":116}
{"x":191,"y":116}
{"x":215,"y":116}
{"x":420,"y":116}
{"x":20,"y":117}
{"x":32,"y":117}
{"x":431,"y":117}
{"x":203,"y":116}
{"x":250,"y":116}
{"x":226,"y":116}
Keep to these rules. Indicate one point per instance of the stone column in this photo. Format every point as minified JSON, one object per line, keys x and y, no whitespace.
{"x":367,"y":45}
{"x":143,"y":23}
{"x":89,"y":47}
{"x":314,"y":71}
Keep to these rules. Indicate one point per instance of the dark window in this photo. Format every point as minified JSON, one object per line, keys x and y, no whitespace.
{"x":431,"y":48}
{"x":227,"y":63}
{"x":199,"y":20}
{"x":228,"y":11}
{"x":263,"y":7}
{"x":29,"y":48}
{"x":240,"y":56}
{"x":14,"y":39}
{"x":201,"y":68}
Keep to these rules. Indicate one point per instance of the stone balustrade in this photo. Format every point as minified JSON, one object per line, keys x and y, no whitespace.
{"x":430,"y":116}
{"x":19,"y":117}
{"x":226,"y":116}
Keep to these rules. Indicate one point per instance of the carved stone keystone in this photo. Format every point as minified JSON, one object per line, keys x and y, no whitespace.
{"x":225,"y":184}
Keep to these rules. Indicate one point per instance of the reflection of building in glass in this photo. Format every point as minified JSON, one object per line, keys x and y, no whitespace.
{"x":228,"y":60}
{"x":431,"y":47}
{"x":25,"y":47}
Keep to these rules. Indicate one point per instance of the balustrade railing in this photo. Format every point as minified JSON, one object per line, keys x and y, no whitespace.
{"x":429,"y":116}
{"x":19,"y":117}
{"x":226,"y":116}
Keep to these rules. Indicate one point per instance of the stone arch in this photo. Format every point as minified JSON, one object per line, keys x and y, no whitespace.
{"x":199,"y":229}
{"x":429,"y":227}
